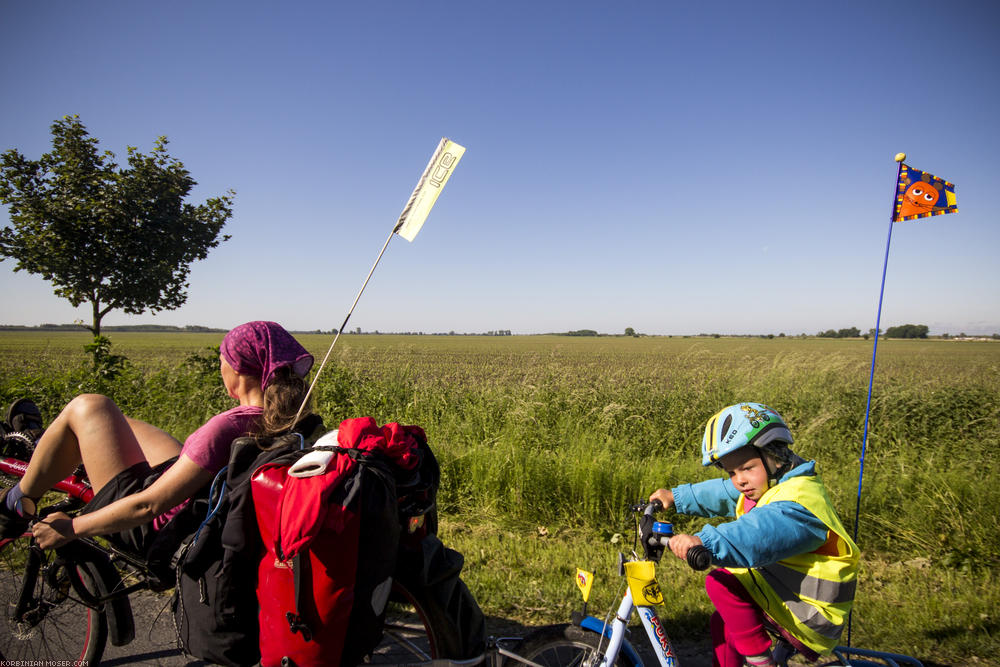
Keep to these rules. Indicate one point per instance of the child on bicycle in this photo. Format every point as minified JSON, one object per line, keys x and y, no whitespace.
{"x":141,"y":475}
{"x":786,"y":561}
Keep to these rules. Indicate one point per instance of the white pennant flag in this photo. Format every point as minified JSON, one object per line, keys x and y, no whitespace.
{"x":437,"y":173}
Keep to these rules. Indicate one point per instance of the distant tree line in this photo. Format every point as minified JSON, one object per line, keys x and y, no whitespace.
{"x":853,"y":332}
{"x":496,"y":332}
{"x":907,"y":331}
{"x":123,"y":327}
{"x":902,"y":331}
{"x":141,"y":328}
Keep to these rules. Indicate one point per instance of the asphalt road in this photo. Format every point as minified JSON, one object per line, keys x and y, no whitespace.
{"x":155,"y":642}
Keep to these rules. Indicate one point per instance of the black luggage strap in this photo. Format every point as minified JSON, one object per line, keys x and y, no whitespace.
{"x":300,"y":571}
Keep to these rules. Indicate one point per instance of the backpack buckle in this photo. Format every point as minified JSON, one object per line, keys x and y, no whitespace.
{"x":296,"y":624}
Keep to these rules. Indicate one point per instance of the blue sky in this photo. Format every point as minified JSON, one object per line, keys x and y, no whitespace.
{"x":673,"y":167}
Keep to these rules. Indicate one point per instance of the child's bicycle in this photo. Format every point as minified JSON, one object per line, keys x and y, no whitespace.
{"x":591,"y":642}
{"x":65,"y":604}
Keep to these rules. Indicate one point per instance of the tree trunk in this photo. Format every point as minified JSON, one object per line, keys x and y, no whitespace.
{"x":96,"y":328}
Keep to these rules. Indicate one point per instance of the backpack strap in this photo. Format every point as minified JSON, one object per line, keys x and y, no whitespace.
{"x":303,"y":580}
{"x":301,"y":568}
{"x":218,"y":484}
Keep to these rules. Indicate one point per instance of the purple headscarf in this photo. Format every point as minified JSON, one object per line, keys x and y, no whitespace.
{"x":260,"y":348}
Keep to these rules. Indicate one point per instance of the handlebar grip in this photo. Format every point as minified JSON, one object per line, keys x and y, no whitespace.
{"x":699,"y":557}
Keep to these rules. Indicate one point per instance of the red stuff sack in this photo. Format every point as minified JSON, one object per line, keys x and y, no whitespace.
{"x":331,"y":544}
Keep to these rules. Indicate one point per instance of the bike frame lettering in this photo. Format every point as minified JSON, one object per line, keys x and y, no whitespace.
{"x":658,"y":636}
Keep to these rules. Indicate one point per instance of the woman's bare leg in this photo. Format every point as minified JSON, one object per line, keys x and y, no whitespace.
{"x":157,"y":445}
{"x":91,"y":429}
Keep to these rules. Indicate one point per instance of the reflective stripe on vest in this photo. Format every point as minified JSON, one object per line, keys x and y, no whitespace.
{"x":808,"y":594}
{"x":821,"y":590}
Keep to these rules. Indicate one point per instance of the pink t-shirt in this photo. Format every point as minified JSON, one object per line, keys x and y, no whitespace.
{"x":209,"y":445}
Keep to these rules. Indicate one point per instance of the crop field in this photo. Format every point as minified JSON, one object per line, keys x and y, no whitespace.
{"x":544,"y":440}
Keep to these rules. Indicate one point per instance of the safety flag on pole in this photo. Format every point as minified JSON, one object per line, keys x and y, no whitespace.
{"x":433,"y":180}
{"x":584,"y":580}
{"x":921,"y":195}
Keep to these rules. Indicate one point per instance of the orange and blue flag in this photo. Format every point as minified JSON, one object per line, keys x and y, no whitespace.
{"x":921,"y":195}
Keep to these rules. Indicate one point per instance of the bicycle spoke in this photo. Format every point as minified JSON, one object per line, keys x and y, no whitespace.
{"x":52,"y":624}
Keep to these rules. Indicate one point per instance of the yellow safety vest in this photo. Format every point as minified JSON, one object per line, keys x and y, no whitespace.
{"x":810,"y":594}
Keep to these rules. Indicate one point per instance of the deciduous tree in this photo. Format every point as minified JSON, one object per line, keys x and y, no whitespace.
{"x":116,"y":238}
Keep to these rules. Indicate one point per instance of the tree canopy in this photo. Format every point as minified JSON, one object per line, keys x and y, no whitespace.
{"x":116,"y":238}
{"x":850,"y":332}
{"x":907,"y":331}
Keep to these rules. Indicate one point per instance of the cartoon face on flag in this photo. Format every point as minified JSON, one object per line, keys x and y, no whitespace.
{"x":921,"y":195}
{"x":584,"y":580}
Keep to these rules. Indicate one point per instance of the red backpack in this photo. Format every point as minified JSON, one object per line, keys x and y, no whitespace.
{"x":330,"y":547}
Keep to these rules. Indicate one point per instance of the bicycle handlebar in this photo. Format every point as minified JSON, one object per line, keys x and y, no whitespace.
{"x":698,"y":557}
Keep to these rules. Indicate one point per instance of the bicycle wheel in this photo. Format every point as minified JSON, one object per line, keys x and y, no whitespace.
{"x":564,"y":645}
{"x":53,"y":624}
{"x":412,"y":632}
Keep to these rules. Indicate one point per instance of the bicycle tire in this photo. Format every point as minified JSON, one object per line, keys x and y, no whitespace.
{"x":416,"y":629}
{"x":57,"y":627}
{"x":564,"y":645}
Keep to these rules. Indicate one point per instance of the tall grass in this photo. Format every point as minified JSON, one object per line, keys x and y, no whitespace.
{"x":544,"y":440}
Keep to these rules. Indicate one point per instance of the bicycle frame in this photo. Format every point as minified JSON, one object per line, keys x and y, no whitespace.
{"x":74,"y":486}
{"x":112,"y":594}
{"x":658,"y":639}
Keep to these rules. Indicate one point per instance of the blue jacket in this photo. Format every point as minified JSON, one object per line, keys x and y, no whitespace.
{"x":764,"y":535}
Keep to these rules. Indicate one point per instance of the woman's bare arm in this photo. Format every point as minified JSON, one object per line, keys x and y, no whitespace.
{"x":178,"y":483}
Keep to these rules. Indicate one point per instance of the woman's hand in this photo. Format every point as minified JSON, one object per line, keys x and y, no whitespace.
{"x":681,"y":542}
{"x":53,"y":531}
{"x":665,"y":496}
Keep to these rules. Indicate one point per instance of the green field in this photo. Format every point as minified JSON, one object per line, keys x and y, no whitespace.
{"x":543,"y":440}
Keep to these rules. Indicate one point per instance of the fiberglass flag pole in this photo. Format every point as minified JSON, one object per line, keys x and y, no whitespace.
{"x":917,"y":194}
{"x":429,"y":187}
{"x":871,"y":378}
{"x":878,"y":318}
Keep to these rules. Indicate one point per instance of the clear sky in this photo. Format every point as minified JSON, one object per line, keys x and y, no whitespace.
{"x":669,"y":166}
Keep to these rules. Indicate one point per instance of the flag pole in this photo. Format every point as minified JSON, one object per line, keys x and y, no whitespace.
{"x":871,"y":378}
{"x":432,"y":181}
{"x":878,"y":319}
{"x":305,"y":399}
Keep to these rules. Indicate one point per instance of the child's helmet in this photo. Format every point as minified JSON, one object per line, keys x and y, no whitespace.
{"x":740,"y":425}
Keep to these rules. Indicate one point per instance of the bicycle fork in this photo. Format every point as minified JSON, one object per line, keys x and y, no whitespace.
{"x":650,"y":595}
{"x":642,"y":586}
{"x":26,"y":602}
{"x":658,"y":638}
{"x":46,"y":584}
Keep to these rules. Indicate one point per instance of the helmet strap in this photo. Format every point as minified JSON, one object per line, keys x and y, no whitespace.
{"x":772,"y":475}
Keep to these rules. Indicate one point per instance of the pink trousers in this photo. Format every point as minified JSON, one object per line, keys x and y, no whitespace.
{"x":738,"y":623}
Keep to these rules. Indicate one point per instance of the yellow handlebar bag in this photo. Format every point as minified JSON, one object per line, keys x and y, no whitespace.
{"x":641,"y":575}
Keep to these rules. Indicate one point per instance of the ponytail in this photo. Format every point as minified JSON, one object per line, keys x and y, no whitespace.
{"x":282,"y":398}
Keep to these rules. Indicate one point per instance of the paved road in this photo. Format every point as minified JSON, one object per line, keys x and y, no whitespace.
{"x":155,"y":642}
